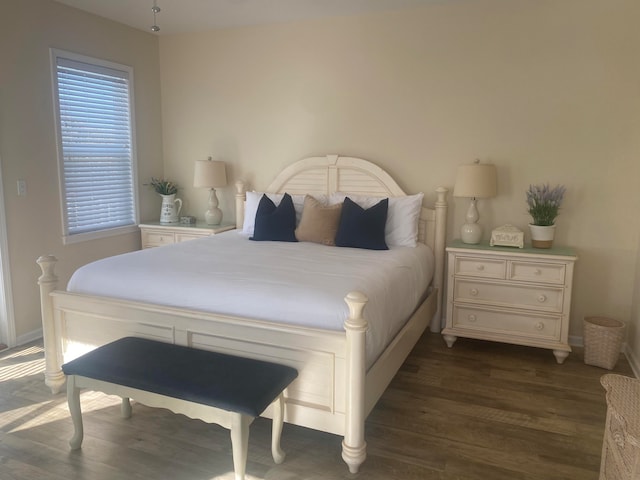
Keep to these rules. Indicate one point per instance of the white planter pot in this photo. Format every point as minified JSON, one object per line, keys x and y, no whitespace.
{"x":170,"y":208}
{"x":542,"y":237}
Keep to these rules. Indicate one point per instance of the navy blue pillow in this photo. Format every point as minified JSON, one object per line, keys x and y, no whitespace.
{"x":275,"y":223}
{"x":360,"y":228}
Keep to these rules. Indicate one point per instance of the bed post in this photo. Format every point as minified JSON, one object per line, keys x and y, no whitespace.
{"x":439,"y":249}
{"x":240,"y":198}
{"x":53,"y":376}
{"x":354,"y":448}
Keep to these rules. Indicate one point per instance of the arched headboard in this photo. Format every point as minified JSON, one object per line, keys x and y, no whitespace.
{"x":356,"y":176}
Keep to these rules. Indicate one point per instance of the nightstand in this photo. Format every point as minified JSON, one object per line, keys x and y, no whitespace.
{"x":511,"y":295}
{"x":156,"y":234}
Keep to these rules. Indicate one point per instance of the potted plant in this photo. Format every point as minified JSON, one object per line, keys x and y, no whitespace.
{"x":171,"y":205}
{"x":544,"y":205}
{"x":164,"y":187}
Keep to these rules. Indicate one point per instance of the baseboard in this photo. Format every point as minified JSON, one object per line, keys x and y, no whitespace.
{"x":576,"y":341}
{"x":29,"y":337}
{"x":633,"y":361}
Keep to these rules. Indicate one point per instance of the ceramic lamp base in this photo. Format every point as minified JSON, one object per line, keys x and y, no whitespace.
{"x":471,"y":233}
{"x":213,"y":216}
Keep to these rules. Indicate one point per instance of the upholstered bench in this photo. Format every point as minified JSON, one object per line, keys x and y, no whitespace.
{"x":214,"y":387}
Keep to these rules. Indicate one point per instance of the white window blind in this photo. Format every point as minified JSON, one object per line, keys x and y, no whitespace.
{"x":96,"y":146}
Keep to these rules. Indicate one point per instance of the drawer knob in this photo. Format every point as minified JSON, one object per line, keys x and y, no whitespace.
{"x":537,"y":271}
{"x":480,"y":268}
{"x":539,"y":326}
{"x":472,"y":318}
{"x":542,"y":298}
{"x":474,"y":291}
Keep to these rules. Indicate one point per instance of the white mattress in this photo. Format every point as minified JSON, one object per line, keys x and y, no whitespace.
{"x":295,"y":283}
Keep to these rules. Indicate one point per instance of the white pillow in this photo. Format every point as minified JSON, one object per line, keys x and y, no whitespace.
{"x":253,"y":199}
{"x":401,"y":229}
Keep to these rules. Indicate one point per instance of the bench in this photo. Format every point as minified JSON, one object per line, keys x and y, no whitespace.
{"x":216,"y":388}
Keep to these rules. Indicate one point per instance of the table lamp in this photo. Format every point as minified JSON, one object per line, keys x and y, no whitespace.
{"x":474,"y":181}
{"x":211,"y":174}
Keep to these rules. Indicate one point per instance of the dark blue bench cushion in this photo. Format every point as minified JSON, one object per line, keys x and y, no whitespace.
{"x":231,"y":383}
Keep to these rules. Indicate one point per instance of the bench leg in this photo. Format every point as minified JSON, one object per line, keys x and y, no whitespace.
{"x":276,"y":429}
{"x":73,"y":398}
{"x":240,"y":443}
{"x":125,"y":408}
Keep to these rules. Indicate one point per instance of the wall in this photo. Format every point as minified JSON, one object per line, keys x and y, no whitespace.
{"x":28,"y":29}
{"x":545,"y":89}
{"x":633,"y":325}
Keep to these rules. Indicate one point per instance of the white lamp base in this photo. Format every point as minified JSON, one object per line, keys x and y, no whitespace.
{"x":471,"y":232}
{"x":213,"y":216}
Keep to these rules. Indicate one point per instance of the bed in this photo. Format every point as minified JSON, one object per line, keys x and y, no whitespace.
{"x":340,"y":376}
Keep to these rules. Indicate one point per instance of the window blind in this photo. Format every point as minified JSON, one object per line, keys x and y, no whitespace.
{"x":96,"y":145}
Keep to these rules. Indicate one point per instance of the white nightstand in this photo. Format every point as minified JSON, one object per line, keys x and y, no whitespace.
{"x":156,"y":234}
{"x":511,"y":295}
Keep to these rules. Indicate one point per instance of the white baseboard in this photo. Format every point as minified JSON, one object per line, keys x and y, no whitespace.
{"x":633,"y":361}
{"x":576,"y":341}
{"x":29,"y":337}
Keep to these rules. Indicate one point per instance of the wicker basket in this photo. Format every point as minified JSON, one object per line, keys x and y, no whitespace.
{"x":602,"y":341}
{"x":621,"y":446}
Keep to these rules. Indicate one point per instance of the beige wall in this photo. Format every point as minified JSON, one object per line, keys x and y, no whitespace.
{"x":28,"y":29}
{"x":633,"y":333}
{"x":545,"y":89}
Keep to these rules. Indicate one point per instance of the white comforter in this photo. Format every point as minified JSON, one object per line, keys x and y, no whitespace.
{"x":295,"y":283}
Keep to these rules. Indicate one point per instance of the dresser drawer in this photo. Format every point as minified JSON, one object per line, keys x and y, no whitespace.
{"x":157,"y":239}
{"x":547,"y":299}
{"x":183,"y":237}
{"x":480,"y":267}
{"x":537,"y":272}
{"x":506,"y":323}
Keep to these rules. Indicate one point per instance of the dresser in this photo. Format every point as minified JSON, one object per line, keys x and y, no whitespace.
{"x":511,"y":295}
{"x":156,"y":234}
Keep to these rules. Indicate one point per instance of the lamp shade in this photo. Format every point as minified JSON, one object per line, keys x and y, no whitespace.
{"x":209,"y":174}
{"x":476,"y":180}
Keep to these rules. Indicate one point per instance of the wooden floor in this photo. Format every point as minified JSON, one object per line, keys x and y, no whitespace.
{"x":477,"y":411}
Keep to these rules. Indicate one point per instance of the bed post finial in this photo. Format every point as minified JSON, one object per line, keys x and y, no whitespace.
{"x":241,"y":188}
{"x":48,"y":281}
{"x":439,"y":248}
{"x":354,"y":448}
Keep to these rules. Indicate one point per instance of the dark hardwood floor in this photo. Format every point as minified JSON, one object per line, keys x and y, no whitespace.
{"x":480,"y":410}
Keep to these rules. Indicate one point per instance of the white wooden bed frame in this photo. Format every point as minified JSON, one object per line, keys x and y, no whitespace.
{"x":334,"y":391}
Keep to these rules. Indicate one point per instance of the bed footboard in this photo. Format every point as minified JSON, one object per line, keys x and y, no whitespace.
{"x":48,"y":281}
{"x":68,"y":318}
{"x":354,"y":448}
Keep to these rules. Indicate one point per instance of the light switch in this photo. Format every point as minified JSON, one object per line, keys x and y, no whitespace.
{"x":22,"y":188}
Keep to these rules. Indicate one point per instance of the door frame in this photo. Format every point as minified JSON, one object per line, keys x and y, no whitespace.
{"x":7,"y":318}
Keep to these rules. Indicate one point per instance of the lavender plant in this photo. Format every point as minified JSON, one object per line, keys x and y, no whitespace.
{"x":164,"y":187}
{"x":544,"y":203}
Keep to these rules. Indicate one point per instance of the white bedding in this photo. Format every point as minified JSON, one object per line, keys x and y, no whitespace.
{"x":295,"y":283}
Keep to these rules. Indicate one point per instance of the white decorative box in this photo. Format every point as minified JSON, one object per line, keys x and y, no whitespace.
{"x":507,"y":236}
{"x":188,"y":220}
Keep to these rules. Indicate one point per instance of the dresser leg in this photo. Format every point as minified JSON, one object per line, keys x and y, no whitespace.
{"x":449,"y":340}
{"x":560,"y":355}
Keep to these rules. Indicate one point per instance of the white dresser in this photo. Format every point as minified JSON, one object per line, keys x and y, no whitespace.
{"x":156,"y":234}
{"x":512,"y":295}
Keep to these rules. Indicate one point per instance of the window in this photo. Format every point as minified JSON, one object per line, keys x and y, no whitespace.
{"x":96,"y":151}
